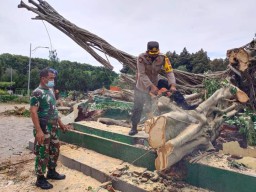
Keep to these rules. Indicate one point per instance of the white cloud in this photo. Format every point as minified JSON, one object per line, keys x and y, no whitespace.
{"x":213,"y":25}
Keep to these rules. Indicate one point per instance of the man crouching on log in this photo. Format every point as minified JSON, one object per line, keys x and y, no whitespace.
{"x":149,"y":65}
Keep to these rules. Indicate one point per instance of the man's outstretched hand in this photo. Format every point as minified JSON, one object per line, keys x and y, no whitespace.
{"x":154,"y":90}
{"x":173,"y":88}
{"x":64,"y":127}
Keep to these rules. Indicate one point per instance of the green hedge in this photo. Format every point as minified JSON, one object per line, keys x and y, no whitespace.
{"x":7,"y":98}
{"x":3,"y":92}
{"x":23,"y":99}
{"x":6,"y":84}
{"x":14,"y":98}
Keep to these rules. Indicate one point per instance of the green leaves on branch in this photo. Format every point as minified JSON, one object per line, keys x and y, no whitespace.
{"x":246,"y":122}
{"x":233,"y":90}
{"x":211,"y":85}
{"x":111,"y":105}
{"x":7,"y":98}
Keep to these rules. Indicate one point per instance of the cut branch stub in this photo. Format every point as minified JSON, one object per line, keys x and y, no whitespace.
{"x":240,"y":56}
{"x":161,"y":161}
{"x":156,"y":130}
{"x":241,"y":96}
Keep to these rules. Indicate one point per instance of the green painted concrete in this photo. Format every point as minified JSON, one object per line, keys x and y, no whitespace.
{"x":119,"y":146}
{"x":219,"y":180}
{"x":131,"y":140}
{"x":123,"y":151}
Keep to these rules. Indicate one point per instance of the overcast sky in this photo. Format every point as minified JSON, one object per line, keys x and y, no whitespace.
{"x":214,"y":25}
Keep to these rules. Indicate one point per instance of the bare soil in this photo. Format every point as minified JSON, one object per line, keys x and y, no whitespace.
{"x":17,"y":162}
{"x":14,"y":133}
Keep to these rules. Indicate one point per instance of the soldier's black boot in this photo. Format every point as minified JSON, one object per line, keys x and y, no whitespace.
{"x":43,"y":183}
{"x":52,"y":174}
{"x":133,"y":131}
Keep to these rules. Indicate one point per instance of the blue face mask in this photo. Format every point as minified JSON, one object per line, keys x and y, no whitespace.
{"x":50,"y":84}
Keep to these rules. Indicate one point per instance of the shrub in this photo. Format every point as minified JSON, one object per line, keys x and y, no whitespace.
{"x":22,"y":99}
{"x":3,"y":92}
{"x":247,"y":125}
{"x":7,"y":98}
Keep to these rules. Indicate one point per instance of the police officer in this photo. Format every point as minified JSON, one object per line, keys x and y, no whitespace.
{"x":149,"y":65}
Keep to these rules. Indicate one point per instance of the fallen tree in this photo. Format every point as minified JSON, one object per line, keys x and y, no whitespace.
{"x":178,"y":133}
{"x":93,"y":43}
{"x":243,"y":69}
{"x":175,"y":133}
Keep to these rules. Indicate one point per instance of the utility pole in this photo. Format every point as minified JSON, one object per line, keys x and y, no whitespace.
{"x":11,"y":75}
{"x":29,"y":65}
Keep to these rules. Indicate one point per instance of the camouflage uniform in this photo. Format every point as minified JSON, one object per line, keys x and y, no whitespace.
{"x":47,"y":153}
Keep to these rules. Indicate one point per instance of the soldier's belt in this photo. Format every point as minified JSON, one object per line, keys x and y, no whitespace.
{"x":53,"y":121}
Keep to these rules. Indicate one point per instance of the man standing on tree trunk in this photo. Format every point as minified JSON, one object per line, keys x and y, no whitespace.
{"x":45,"y":118}
{"x":149,"y":65}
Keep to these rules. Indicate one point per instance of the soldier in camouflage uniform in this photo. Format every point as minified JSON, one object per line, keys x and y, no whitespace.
{"x":44,"y":115}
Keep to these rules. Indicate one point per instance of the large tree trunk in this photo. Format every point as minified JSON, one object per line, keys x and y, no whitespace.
{"x":179,"y":132}
{"x":243,"y":70}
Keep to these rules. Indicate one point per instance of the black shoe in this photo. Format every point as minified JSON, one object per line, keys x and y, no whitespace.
{"x":133,"y":132}
{"x":181,"y":102}
{"x":52,"y":174}
{"x":43,"y":183}
{"x":186,"y":106}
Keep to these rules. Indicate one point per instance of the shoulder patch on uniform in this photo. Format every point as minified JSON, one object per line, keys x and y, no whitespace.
{"x":37,"y":93}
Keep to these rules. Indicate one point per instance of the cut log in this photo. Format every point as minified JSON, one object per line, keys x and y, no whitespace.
{"x":124,"y":95}
{"x":177,"y":133}
{"x":168,"y":155}
{"x":240,"y":56}
{"x":241,"y":96}
{"x":109,"y":121}
{"x":113,"y":94}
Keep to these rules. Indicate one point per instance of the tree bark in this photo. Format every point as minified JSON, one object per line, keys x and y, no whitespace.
{"x":109,"y":121}
{"x":177,"y":133}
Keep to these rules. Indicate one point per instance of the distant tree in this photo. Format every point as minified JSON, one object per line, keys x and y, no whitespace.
{"x":200,"y":62}
{"x":219,"y":64}
{"x":173,"y":57}
{"x":1,"y":71}
{"x":185,"y":59}
{"x":71,"y":75}
{"x":182,"y":68}
{"x":34,"y":77}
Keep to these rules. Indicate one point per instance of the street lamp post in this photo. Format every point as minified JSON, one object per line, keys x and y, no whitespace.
{"x":29,"y":64}
{"x":11,"y":75}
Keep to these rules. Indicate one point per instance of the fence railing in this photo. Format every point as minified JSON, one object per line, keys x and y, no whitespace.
{"x":19,"y":91}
